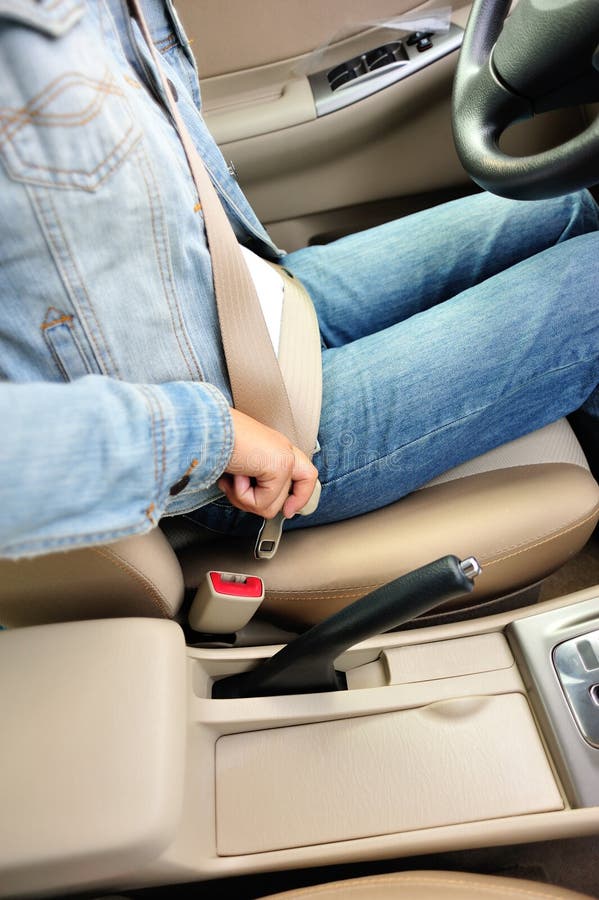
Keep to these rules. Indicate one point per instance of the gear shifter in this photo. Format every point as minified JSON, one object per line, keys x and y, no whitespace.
{"x":306,"y":665}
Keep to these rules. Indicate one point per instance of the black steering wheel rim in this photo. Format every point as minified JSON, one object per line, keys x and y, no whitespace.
{"x":508,"y":71}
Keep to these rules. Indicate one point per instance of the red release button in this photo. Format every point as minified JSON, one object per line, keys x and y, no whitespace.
{"x":233,"y":586}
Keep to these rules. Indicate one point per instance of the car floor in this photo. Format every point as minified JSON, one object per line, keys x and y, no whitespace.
{"x":580,"y":572}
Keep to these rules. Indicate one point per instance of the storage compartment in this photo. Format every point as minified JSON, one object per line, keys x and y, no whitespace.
{"x":450,"y":762}
{"x":93,"y":751}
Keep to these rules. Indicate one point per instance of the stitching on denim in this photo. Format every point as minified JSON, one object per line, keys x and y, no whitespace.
{"x":166,"y":43}
{"x":148,"y":400}
{"x":85,"y":172}
{"x":186,"y":502}
{"x":113,"y":152}
{"x":50,"y":339}
{"x":111,"y":159}
{"x":33,"y":110}
{"x":76,"y":540}
{"x":56,"y":357}
{"x":161,"y":476}
{"x":50,"y":87}
{"x":84,"y":291}
{"x":166,"y":277}
{"x":39,"y":182}
{"x":62,"y":320}
{"x":84,"y":356}
{"x":49,"y":227}
{"x":64,"y":120}
{"x":169,"y":36}
{"x":150,"y":514}
{"x":52,"y":310}
{"x":227,"y":443}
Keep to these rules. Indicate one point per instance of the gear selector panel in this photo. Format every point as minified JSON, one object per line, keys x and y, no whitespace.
{"x":577,"y":665}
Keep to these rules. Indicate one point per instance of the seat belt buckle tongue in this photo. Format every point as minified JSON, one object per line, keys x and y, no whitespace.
{"x":269,"y":536}
{"x":225,"y":602}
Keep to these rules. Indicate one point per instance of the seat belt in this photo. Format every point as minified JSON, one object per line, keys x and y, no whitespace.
{"x":259,"y":382}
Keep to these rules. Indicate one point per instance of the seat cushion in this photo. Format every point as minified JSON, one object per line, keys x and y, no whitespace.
{"x":136,"y":576}
{"x":431,"y":886}
{"x":521,"y":521}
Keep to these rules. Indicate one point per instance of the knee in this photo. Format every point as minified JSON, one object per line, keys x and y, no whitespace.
{"x":583,"y":212}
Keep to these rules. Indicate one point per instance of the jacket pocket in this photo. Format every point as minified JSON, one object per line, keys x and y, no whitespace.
{"x":68,"y":345}
{"x":64,"y":122}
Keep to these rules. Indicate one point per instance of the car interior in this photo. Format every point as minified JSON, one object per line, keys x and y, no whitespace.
{"x":403,"y":704}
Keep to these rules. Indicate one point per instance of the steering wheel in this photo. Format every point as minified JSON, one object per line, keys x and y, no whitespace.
{"x":544,"y":56}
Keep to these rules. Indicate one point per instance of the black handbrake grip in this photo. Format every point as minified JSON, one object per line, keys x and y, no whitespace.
{"x":306,"y":664}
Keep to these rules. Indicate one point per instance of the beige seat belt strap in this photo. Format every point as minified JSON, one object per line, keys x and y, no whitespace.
{"x":256,"y":381}
{"x":255,"y":375}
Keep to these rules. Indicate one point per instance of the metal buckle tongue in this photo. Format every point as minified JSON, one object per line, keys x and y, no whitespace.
{"x":269,"y":536}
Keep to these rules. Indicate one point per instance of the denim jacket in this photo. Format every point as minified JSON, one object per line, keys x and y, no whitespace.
{"x":114,"y":399}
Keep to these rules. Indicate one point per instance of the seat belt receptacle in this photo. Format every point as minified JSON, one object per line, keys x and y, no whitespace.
{"x":225,"y":602}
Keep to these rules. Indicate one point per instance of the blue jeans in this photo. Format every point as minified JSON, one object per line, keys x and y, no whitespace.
{"x":445,"y":334}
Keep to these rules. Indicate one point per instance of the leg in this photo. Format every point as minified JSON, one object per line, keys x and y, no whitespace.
{"x":515,"y":350}
{"x":503,"y":358}
{"x":369,"y":281}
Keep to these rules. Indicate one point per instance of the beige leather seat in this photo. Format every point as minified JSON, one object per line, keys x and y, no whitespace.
{"x":432,"y":886}
{"x":522,"y":510}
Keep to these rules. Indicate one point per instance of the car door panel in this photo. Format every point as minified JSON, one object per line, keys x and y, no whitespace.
{"x":235,"y":35}
{"x":308,"y":176}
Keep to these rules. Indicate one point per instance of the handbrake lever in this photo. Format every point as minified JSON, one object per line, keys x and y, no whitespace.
{"x":306,"y":664}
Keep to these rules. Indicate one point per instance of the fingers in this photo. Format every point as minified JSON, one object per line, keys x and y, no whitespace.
{"x":304,"y":477}
{"x":267,"y":494}
{"x":266,"y":473}
{"x":264,"y":498}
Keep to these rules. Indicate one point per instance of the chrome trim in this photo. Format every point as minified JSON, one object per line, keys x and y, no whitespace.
{"x":534,"y":640}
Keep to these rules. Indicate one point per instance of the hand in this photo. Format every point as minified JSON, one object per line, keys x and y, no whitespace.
{"x":266,"y":473}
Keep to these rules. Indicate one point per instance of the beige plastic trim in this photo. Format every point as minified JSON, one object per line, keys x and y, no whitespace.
{"x":251,"y":112}
{"x":192,"y":854}
{"x":396,"y":143}
{"x":446,"y":763}
{"x":92,"y":751}
{"x":427,"y":662}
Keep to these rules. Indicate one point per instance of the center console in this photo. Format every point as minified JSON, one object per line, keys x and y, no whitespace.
{"x":473,"y":734}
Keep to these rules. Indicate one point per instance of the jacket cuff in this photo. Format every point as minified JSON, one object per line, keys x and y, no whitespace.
{"x":192,"y":436}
